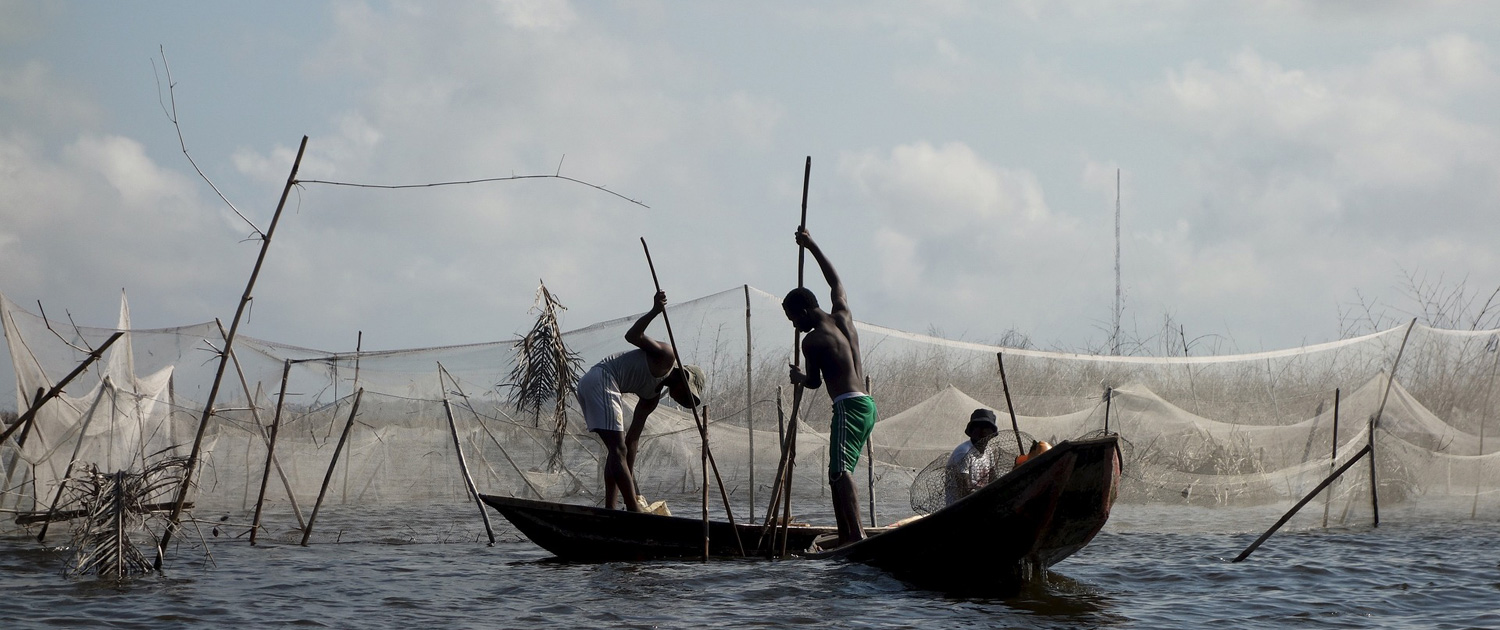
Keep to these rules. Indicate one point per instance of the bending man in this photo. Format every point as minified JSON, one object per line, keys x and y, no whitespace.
{"x":643,"y":371}
{"x":831,"y":348}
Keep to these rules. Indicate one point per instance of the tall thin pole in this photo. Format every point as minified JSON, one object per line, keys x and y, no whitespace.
{"x":789,"y":444}
{"x":213,"y":392}
{"x":1288,"y":516}
{"x":464,"y":466}
{"x":1390,"y":383}
{"x":255,"y":414}
{"x":1332,"y":458}
{"x":1474,"y":510}
{"x":1015,"y":426}
{"x":1109,"y":396}
{"x":749,"y":403}
{"x":1119,"y":306}
{"x":327,"y":477}
{"x":265,"y":475}
{"x":701,"y":421}
{"x":870,"y":456}
{"x":57,"y":389}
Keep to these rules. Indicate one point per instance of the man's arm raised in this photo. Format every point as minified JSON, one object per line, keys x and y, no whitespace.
{"x":658,"y":354}
{"x":840,"y":300}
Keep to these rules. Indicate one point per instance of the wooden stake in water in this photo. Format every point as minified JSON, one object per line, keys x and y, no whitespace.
{"x":1333,"y":458}
{"x":213,"y":391}
{"x":307,"y":533}
{"x":1474,"y":510}
{"x":463,"y":466}
{"x":1374,"y":486}
{"x":749,"y":404}
{"x":1288,"y":516}
{"x":265,"y":476}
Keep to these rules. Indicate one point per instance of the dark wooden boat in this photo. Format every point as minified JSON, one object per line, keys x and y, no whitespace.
{"x":593,"y":534}
{"x":1033,"y":517}
{"x":1029,"y":519}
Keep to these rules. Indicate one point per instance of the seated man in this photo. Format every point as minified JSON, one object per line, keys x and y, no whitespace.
{"x":969,"y":469}
{"x":643,"y":372}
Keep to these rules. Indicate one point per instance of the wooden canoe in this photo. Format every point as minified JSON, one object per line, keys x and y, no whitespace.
{"x":1029,"y":519}
{"x":593,"y":534}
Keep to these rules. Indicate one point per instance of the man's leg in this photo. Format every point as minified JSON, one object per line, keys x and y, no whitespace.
{"x":617,"y":477}
{"x":846,"y":509}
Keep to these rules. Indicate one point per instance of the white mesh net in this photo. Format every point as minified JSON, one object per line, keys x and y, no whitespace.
{"x":1212,"y":431}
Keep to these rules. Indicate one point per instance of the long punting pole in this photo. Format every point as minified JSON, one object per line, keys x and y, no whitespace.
{"x":265,"y":475}
{"x":1015,"y":426}
{"x":702,"y":421}
{"x":1288,"y":516}
{"x":464,"y":467}
{"x":57,"y":389}
{"x":1334,"y":457}
{"x":333,"y":463}
{"x":1390,"y":383}
{"x":1474,"y":510}
{"x":870,"y":456}
{"x":213,"y":392}
{"x":749,"y":404}
{"x":789,"y":447}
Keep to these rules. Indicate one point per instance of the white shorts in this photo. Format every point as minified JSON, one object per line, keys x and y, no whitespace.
{"x":599,"y":397}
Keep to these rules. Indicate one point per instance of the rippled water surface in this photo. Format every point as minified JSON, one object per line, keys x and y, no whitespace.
{"x":1151,"y":568}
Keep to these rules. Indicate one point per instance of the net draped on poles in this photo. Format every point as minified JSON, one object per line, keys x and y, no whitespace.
{"x":1220,"y":431}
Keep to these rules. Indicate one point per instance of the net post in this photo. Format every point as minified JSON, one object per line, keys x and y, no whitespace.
{"x":265,"y":475}
{"x":332,"y":464}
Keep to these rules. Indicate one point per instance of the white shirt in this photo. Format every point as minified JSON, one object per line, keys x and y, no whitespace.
{"x":968,"y":470}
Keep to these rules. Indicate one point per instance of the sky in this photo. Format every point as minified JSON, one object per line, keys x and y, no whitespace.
{"x":1288,"y":171}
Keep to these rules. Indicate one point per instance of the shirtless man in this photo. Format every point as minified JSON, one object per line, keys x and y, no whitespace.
{"x":831,"y":348}
{"x":643,"y":372}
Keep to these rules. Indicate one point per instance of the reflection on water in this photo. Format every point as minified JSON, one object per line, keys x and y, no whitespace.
{"x":392,"y":571}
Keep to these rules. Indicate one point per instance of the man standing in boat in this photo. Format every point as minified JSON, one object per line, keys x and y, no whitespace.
{"x":831,"y":348}
{"x":643,"y":371}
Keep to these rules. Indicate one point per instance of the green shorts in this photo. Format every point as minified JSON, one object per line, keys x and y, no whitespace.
{"x":853,"y":420}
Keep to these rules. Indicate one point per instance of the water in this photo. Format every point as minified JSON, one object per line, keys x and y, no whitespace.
{"x":1151,"y":568}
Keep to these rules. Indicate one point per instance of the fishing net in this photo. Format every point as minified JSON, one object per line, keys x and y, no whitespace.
{"x":1212,"y":431}
{"x":941,"y":482}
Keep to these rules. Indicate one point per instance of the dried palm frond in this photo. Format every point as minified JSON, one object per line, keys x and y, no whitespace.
{"x":546,"y":370}
{"x":115,"y":506}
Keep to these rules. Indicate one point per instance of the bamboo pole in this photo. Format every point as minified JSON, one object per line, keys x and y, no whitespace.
{"x":870,"y":455}
{"x":1334,"y":457}
{"x":1390,"y":383}
{"x":77,"y":447}
{"x":213,"y":392}
{"x":265,"y":475}
{"x":1374,"y":486}
{"x":1015,"y":426}
{"x":464,"y":466}
{"x":359,"y":342}
{"x":700,"y":419}
{"x":20,"y":444}
{"x":790,"y":443}
{"x":255,"y":414}
{"x":477,"y":420}
{"x":57,"y":389}
{"x":749,"y":404}
{"x":1288,"y":516}
{"x":1474,"y":510}
{"x":1109,"y":396}
{"x":353,"y":409}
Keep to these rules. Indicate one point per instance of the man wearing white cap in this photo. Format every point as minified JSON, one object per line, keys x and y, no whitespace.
{"x":969,"y":469}
{"x":643,"y":372}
